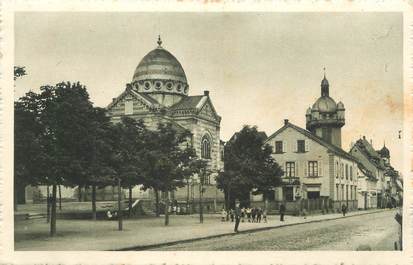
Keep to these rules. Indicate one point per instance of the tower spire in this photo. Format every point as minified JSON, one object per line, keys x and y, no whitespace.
{"x":159,"y":41}
{"x":324,"y":85}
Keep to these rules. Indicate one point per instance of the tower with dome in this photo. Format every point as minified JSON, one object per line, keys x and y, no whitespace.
{"x":326,"y":117}
{"x":159,"y":93}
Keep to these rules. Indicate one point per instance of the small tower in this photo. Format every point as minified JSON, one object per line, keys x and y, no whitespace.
{"x":385,"y":154}
{"x":326,"y":118}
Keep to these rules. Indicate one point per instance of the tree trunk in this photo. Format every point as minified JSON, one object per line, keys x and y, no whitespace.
{"x":80,"y":193}
{"x":120,"y":211}
{"x":187,"y":196}
{"x":201,"y":207}
{"x":94,"y":202}
{"x":167,"y":209}
{"x":156,"y":202}
{"x":47,"y":204}
{"x":130,"y":201}
{"x":228,"y":202}
{"x":60,"y":199}
{"x":53,"y":215}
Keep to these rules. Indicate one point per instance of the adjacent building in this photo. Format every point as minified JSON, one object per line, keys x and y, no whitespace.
{"x":314,"y":164}
{"x":376,"y":169}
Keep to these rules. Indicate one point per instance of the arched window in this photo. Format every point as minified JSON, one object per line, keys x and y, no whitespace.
{"x":205,"y":147}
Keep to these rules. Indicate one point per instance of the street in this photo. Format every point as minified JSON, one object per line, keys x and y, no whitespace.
{"x":376,"y":231}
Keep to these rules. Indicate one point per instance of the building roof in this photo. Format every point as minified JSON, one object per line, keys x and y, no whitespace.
{"x":159,"y":64}
{"x":187,"y":103}
{"x":325,"y":104}
{"x":368,"y":151}
{"x":330,"y":147}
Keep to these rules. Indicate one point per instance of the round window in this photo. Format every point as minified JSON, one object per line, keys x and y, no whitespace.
{"x":147,"y":85}
{"x":179,"y":87}
{"x":158,"y":85}
{"x":186,"y":90}
{"x":169,"y":85}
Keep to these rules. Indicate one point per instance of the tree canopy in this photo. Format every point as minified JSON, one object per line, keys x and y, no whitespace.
{"x":248,"y":165}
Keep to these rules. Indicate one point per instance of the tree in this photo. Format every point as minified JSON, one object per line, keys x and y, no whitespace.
{"x":248,"y":166}
{"x":128,"y":157}
{"x":27,"y":145}
{"x":100,"y":145}
{"x":19,"y":71}
{"x":167,"y":161}
{"x":62,"y":114}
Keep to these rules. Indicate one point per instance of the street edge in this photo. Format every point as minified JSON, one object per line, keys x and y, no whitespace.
{"x":253,"y":230}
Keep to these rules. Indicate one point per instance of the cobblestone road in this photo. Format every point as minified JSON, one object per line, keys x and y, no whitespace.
{"x":376,"y":231}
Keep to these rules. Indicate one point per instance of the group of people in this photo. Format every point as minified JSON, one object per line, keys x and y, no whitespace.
{"x":252,"y":215}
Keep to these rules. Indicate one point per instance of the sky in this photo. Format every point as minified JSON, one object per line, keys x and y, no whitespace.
{"x":260,"y":68}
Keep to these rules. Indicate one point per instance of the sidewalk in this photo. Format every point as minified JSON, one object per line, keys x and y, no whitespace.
{"x":141,"y":234}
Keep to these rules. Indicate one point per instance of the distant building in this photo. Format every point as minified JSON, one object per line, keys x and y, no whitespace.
{"x":389,"y":188}
{"x":373,"y":163}
{"x":366,"y":188}
{"x":315,"y":166}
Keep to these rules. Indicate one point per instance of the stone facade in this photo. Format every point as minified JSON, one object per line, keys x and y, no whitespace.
{"x":159,"y":94}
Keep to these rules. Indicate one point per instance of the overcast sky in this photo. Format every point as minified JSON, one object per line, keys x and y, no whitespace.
{"x":260,"y":68}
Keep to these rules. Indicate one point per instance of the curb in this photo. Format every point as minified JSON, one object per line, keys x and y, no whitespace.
{"x":253,"y":230}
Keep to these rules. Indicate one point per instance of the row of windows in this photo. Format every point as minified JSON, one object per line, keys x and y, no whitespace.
{"x":346,"y":192}
{"x":301,"y":146}
{"x":311,"y":169}
{"x":344,"y":171}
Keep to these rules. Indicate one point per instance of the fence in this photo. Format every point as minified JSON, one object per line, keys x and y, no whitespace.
{"x":311,"y":206}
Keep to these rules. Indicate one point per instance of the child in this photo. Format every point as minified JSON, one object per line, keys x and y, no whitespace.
{"x":223,"y":215}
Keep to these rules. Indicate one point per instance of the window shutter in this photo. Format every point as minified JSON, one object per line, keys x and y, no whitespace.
{"x":284,"y":146}
{"x":306,"y":145}
{"x":305,"y":168}
{"x":296,"y":146}
{"x":283,"y":169}
{"x":320,"y":168}
{"x":296,"y":169}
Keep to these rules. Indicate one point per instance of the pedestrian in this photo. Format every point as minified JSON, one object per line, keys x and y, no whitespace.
{"x":304,"y":213}
{"x":249,"y":214}
{"x":242,"y":214}
{"x":253,"y":214}
{"x":231,"y":214}
{"x":259,"y":213}
{"x":264,"y":216}
{"x":282,"y":212}
{"x":223,"y":215}
{"x":237,"y":214}
{"x":344,"y":209}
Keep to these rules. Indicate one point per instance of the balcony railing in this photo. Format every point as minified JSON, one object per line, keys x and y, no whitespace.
{"x":290,"y":180}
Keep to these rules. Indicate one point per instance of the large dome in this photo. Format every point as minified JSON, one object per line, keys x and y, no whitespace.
{"x":325,"y":105}
{"x":160,"y":71}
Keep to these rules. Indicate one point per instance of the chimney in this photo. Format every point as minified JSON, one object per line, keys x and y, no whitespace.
{"x":206,"y":93}
{"x":371,"y":142}
{"x":285,"y":121}
{"x":364,"y":137}
{"x":113,"y":99}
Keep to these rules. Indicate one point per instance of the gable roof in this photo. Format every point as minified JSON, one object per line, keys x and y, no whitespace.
{"x":145,"y":99}
{"x":193,"y":104}
{"x":187,"y":103}
{"x":330,"y":147}
{"x":368,"y":151}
